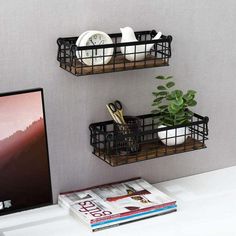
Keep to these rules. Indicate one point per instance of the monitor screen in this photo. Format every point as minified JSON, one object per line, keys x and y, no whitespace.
{"x":25,"y":181}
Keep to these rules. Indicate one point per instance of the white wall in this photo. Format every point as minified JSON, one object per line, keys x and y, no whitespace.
{"x":204,"y":57}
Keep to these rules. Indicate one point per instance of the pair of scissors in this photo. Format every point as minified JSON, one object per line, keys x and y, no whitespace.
{"x":116,"y":111}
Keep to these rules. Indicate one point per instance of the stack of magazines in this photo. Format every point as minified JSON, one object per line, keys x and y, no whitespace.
{"x":117,"y":203}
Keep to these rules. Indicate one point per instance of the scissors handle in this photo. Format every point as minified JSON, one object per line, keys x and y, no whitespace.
{"x":116,"y":111}
{"x":118,"y":105}
{"x":112,"y":106}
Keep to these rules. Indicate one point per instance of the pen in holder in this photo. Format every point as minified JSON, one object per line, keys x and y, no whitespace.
{"x":126,"y":136}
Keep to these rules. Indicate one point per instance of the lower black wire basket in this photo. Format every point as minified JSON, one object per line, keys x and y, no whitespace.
{"x":142,"y":139}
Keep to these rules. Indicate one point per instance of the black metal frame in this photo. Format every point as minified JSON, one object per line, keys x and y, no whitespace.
{"x":104,"y":138}
{"x":158,"y":55}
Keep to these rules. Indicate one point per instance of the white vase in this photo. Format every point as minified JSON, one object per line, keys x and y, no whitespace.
{"x":173,"y":137}
{"x":138,"y":52}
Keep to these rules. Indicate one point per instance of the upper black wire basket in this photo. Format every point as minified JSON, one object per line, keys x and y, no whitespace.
{"x":153,"y":53}
{"x":141,"y":138}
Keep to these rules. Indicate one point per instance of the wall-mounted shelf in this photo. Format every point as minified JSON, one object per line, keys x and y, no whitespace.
{"x":158,"y":55}
{"x":110,"y":146}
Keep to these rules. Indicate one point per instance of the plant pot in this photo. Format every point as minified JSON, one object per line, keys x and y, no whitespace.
{"x":174,"y":136}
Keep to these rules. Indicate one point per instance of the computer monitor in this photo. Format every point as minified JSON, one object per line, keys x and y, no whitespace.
{"x":25,"y":181}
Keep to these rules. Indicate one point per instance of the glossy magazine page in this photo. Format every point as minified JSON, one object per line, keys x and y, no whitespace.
{"x":24,"y":166}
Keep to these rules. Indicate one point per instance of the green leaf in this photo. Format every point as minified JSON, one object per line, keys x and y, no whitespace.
{"x":170,"y":84}
{"x":168,"y":121}
{"x":163,"y":107}
{"x":189,"y":95}
{"x":180,"y":114}
{"x":191,"y":92}
{"x":155,"y":94}
{"x":179,"y":101}
{"x":192,"y":103}
{"x":161,"y":87}
{"x":163,"y":93}
{"x":181,"y":121}
{"x":170,"y":97}
{"x":178,"y":93}
{"x":172,"y":108}
{"x":158,"y":99}
{"x":186,"y":97}
{"x":160,"y":77}
{"x":156,"y":104}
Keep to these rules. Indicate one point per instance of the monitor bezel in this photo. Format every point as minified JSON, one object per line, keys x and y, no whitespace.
{"x":9,"y":211}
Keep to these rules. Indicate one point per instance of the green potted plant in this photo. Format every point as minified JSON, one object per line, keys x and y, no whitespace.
{"x":172,"y":109}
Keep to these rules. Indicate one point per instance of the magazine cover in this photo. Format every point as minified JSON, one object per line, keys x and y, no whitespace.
{"x":24,"y":167}
{"x":115,"y":200}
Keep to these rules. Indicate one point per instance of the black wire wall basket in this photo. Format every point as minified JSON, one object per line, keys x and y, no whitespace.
{"x":72,"y":58}
{"x":142,"y":139}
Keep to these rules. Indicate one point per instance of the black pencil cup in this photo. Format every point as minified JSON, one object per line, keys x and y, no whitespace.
{"x":126,"y":136}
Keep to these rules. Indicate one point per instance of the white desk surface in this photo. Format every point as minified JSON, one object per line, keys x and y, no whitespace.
{"x":206,"y":207}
